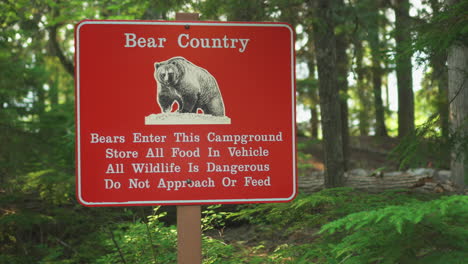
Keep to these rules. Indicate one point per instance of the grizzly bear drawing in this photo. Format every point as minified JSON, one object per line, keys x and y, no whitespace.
{"x":192,"y":87}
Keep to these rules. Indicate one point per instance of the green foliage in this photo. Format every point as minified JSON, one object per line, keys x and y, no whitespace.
{"x":303,"y":146}
{"x":213,"y":218}
{"x":303,"y":158}
{"x":428,"y":147}
{"x":41,"y":222}
{"x":425,"y":147}
{"x":306,"y":89}
{"x":417,"y":232}
{"x":444,"y":28}
{"x":304,"y":217}
{"x":151,"y":241}
{"x":317,"y":209}
{"x":357,"y":227}
{"x":217,"y":252}
{"x":143,"y":241}
{"x":303,"y":164}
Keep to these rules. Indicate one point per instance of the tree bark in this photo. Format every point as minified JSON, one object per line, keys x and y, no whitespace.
{"x":361,"y":90}
{"x":439,"y":77}
{"x":374,"y":42}
{"x":314,"y":100}
{"x":325,"y":44}
{"x":458,"y":94}
{"x":342,"y":73}
{"x":404,"y":68}
{"x":57,"y":51}
{"x":314,"y":121}
{"x":53,"y":92}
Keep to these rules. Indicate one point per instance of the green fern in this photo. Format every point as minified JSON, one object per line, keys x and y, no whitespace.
{"x":409,"y":233}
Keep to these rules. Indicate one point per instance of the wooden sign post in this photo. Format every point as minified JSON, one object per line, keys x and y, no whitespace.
{"x":189,"y":249}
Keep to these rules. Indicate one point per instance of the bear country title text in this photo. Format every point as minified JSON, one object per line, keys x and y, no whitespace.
{"x":156,"y":165}
{"x":186,"y":41}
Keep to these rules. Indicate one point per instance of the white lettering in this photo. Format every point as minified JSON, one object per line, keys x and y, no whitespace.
{"x":185,"y":41}
{"x":130,"y":40}
{"x":248,"y":152}
{"x":137,"y":184}
{"x":179,"y":40}
{"x":139,"y":138}
{"x":176,"y":185}
{"x":249,"y":181}
{"x":96,"y":138}
{"x":110,"y":184}
{"x":235,"y":168}
{"x":121,"y":154}
{"x":244,"y":139}
{"x":177,"y":152}
{"x":244,"y":44}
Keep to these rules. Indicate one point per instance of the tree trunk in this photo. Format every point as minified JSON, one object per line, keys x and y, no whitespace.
{"x":404,"y":69}
{"x":325,"y":44}
{"x":374,"y":42}
{"x":458,"y":94}
{"x":387,"y":85}
{"x":57,"y":50}
{"x":439,"y":77}
{"x":314,"y":121}
{"x":361,"y":90}
{"x":53,"y":93}
{"x":342,"y":73}
{"x":314,"y":100}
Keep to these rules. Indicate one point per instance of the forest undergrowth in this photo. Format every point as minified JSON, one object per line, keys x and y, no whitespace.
{"x":339,"y":225}
{"x":41,"y":222}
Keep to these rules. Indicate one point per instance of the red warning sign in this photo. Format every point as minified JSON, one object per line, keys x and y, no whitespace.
{"x":184,"y":113}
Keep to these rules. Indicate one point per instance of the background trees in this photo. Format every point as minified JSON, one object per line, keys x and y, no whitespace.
{"x":352,"y":58}
{"x":404,"y":68}
{"x":331,"y":104}
{"x":457,"y":63}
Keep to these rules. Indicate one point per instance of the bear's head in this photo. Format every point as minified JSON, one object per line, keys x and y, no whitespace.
{"x":167,"y":72}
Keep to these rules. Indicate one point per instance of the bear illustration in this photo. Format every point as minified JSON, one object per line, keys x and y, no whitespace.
{"x":191,"y":86}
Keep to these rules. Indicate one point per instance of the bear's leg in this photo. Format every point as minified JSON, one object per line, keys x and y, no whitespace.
{"x":165,"y":102}
{"x":214,"y":107}
{"x":181,"y":105}
{"x":190,"y":103}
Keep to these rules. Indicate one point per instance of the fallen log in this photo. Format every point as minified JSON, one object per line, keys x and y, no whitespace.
{"x":425,"y":180}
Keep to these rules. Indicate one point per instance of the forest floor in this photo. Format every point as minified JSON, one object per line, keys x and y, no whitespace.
{"x":366,"y":152}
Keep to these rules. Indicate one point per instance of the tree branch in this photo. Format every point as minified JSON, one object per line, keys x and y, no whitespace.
{"x":116,"y":245}
{"x":57,"y":51}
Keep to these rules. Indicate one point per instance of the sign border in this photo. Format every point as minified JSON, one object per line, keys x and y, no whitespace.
{"x":179,"y":23}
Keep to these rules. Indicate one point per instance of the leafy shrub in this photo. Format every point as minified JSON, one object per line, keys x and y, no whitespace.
{"x":417,"y":232}
{"x":342,"y":211}
{"x":151,"y":241}
{"x":425,"y":146}
{"x":213,"y":218}
{"x":320,"y":207}
{"x":143,"y":241}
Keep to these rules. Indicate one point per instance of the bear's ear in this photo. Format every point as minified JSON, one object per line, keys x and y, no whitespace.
{"x":156,"y":65}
